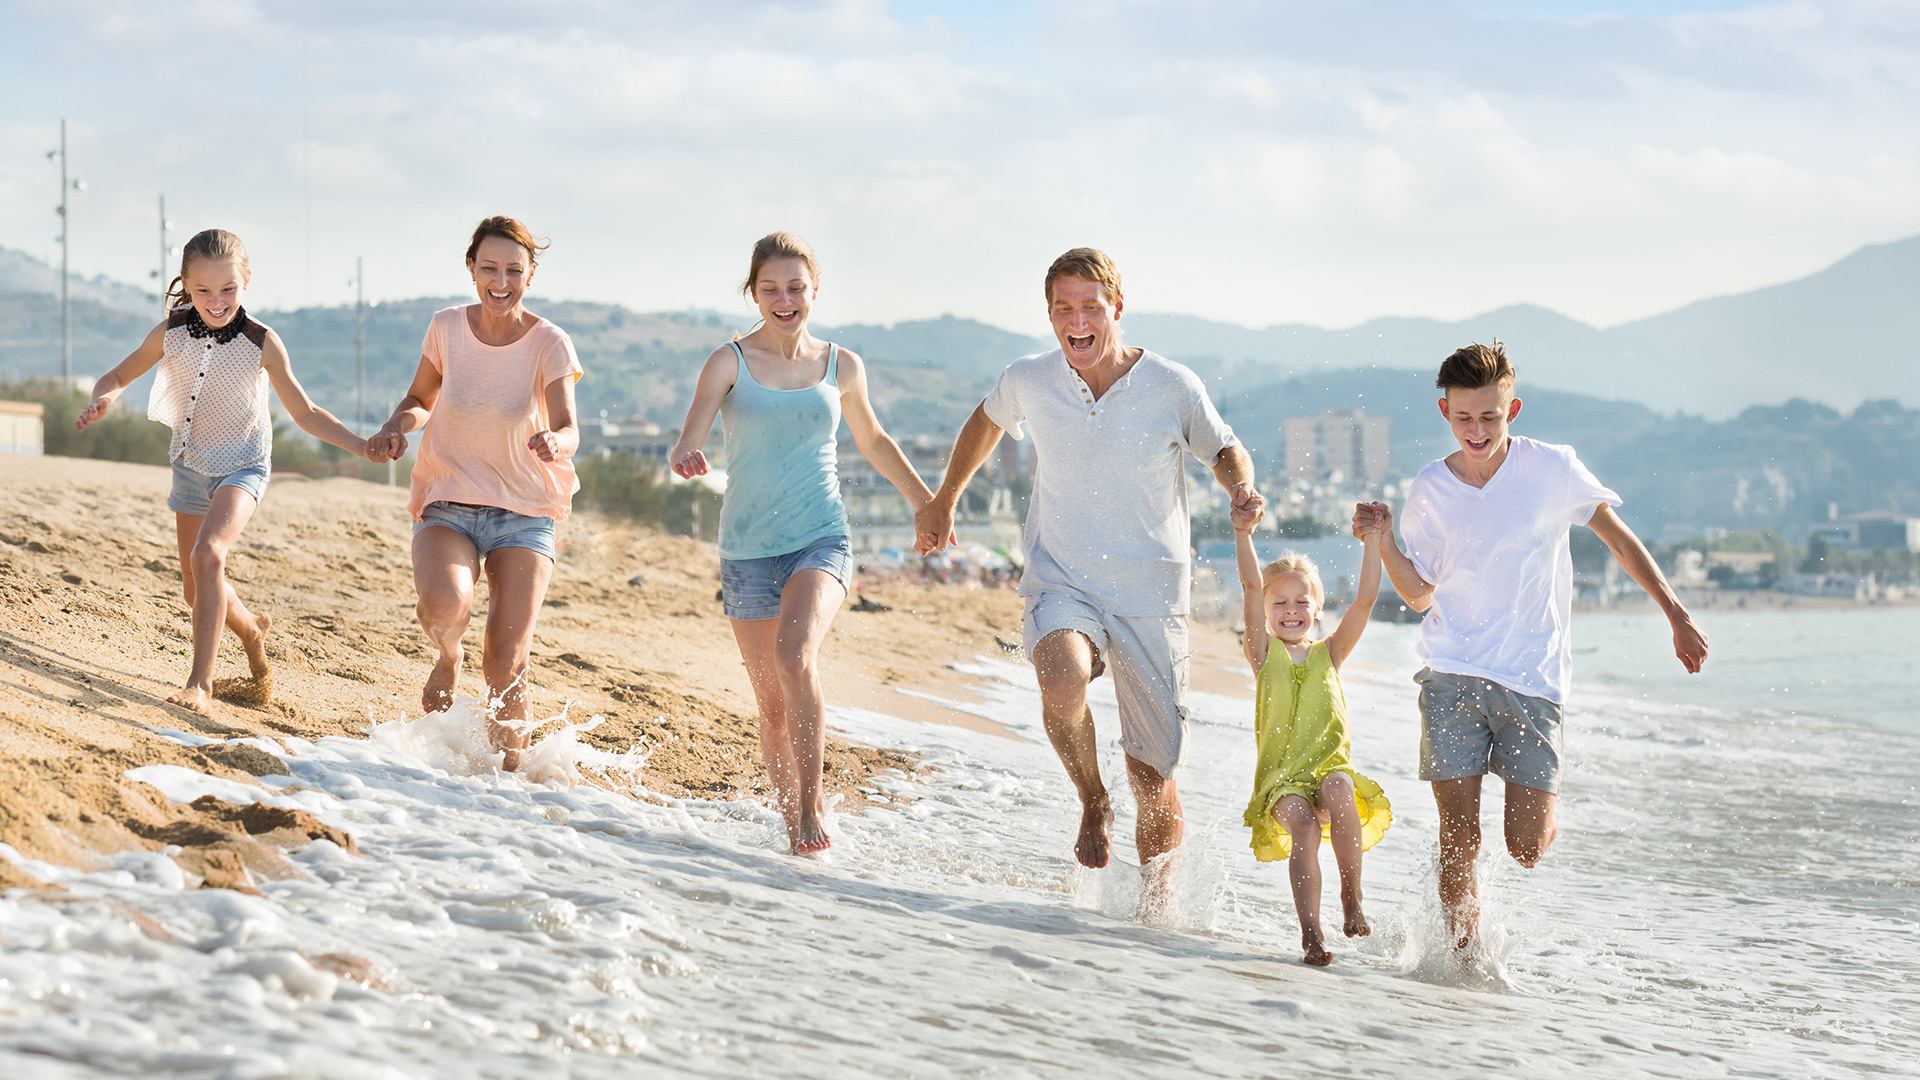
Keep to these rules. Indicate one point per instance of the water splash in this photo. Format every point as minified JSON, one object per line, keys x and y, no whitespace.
{"x":455,"y":742}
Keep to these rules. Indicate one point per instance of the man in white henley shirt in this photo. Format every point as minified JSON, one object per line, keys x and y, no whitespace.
{"x":1108,"y":544}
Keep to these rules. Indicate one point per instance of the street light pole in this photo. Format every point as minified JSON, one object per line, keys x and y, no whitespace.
{"x":66,"y":308}
{"x":165,"y":281}
{"x":359,"y":343}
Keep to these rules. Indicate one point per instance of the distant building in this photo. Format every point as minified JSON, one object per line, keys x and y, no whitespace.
{"x":878,"y":516}
{"x":1871,"y":532}
{"x":636,"y":435}
{"x":22,"y":427}
{"x":1340,"y":446}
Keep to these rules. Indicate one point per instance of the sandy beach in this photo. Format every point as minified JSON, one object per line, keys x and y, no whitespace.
{"x":94,"y":630}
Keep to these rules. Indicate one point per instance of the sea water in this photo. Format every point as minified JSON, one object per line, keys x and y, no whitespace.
{"x":1734,"y":893}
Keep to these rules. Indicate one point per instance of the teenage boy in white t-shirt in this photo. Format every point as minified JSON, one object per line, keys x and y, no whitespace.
{"x":1486,"y":532}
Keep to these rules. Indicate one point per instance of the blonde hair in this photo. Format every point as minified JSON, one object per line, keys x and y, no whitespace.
{"x":1087,"y":264}
{"x":218,"y":245}
{"x":779,"y":245}
{"x":1293,"y":562}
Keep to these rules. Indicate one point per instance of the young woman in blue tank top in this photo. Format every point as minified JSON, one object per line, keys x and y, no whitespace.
{"x":786,"y":562}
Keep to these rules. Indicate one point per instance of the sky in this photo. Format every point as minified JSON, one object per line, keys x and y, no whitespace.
{"x":1255,"y":162}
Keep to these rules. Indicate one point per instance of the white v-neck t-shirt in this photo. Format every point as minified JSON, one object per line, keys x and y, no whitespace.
{"x":1501,"y":566}
{"x":1108,"y":516}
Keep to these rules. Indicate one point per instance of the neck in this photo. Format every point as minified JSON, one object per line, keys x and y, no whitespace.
{"x":1478,"y":473}
{"x":787,"y":346}
{"x":505,"y":321}
{"x":1103,"y":373}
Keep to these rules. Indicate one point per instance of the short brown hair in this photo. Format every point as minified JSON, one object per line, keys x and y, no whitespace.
{"x":1088,"y":264}
{"x":779,"y":245}
{"x":507,"y":228}
{"x":1475,"y":366}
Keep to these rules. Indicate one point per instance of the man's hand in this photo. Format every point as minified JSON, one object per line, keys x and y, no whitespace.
{"x":1689,"y":643}
{"x":386,"y":446}
{"x":933,"y":527}
{"x":690,"y":464}
{"x":1371,"y":517}
{"x":1248,"y":508}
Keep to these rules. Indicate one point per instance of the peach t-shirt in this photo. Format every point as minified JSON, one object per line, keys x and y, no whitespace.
{"x":492,"y":400}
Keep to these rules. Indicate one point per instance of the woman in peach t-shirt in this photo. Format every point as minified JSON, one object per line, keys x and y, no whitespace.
{"x":494,"y":475}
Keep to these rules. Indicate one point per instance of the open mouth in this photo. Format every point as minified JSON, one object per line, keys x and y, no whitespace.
{"x":499,"y":297}
{"x":1080,"y":343}
{"x":785,"y":316}
{"x":1479,"y":446}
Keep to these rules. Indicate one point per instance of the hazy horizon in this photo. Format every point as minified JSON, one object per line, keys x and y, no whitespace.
{"x":1250,"y":164}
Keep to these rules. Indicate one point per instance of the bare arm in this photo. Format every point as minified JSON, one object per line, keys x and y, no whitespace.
{"x":1354,"y":623}
{"x":934,"y":521}
{"x":312,"y":419}
{"x":1233,"y":468}
{"x":1407,"y":581}
{"x":108,"y":388}
{"x":1253,"y":598}
{"x":1689,"y":642}
{"x":716,"y":379}
{"x":562,"y":437}
{"x":390,"y":442}
{"x":875,"y":444}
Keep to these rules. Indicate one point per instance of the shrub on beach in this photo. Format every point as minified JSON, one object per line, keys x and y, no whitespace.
{"x":629,"y":486}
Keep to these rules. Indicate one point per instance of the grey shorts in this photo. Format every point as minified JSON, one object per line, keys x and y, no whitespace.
{"x":751,"y":588}
{"x":193,"y":492}
{"x":1148,"y":656}
{"x":1470,"y":726}
{"x":489,"y":528}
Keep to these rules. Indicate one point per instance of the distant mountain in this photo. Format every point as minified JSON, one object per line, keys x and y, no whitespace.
{"x":22,"y":273}
{"x":1847,"y":334}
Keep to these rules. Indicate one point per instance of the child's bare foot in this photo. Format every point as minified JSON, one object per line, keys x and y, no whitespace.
{"x":1316,"y":949}
{"x":256,"y":647}
{"x":1356,"y":921}
{"x":1095,"y":844}
{"x":441,"y":682}
{"x":193,"y":699}
{"x":811,"y":838}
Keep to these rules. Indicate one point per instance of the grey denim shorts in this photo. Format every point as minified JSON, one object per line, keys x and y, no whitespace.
{"x":1470,"y":726}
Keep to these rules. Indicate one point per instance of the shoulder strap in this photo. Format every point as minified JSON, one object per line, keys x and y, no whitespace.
{"x":833,"y":364}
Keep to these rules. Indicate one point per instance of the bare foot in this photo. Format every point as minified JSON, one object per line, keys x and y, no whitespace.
{"x":256,"y":647}
{"x":811,"y":837}
{"x":441,"y":682}
{"x":511,"y":759}
{"x":1316,"y":950}
{"x":1356,"y":924}
{"x":193,"y":699}
{"x":1095,"y":844}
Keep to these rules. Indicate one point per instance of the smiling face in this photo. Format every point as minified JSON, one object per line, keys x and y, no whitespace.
{"x":501,"y":271}
{"x":784,"y":289}
{"x":1479,"y":418}
{"x":1292,"y":607}
{"x":1086,"y":321}
{"x":215,"y":287}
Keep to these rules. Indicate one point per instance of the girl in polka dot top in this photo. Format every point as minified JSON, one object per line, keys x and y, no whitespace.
{"x":215,"y":364}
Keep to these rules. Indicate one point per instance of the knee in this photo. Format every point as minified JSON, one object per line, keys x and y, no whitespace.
{"x":1296,"y":816}
{"x":1062,"y":682}
{"x":444,"y":610}
{"x":795,"y":665}
{"x":208,"y":559}
{"x":1336,"y":789}
{"x":1526,"y":850}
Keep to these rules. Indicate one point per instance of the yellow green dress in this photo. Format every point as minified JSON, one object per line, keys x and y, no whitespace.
{"x":1300,"y":727}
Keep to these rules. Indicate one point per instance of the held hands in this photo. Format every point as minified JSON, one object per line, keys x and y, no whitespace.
{"x":386,"y":445}
{"x":1372,"y":520}
{"x":690,"y":464}
{"x":1248,"y":509}
{"x":933,"y":527}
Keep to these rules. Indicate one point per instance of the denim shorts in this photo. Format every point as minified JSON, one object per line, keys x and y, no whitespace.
{"x":490,"y":527}
{"x":751,"y":588}
{"x":193,"y":492}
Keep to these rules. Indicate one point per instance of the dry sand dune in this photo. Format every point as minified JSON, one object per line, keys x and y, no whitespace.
{"x":93,"y":633}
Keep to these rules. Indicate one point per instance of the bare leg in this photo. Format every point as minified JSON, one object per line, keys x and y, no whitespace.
{"x":1530,"y":824}
{"x":1063,"y":660}
{"x":250,"y":627}
{"x":1296,"y":815}
{"x":517,"y":580}
{"x":203,"y":571}
{"x":756,"y":638}
{"x":1343,"y":818}
{"x":1459,"y":805}
{"x":1161,"y":825}
{"x":807,"y":606}
{"x":445,"y":564}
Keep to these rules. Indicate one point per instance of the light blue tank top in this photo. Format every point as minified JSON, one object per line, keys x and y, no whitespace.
{"x":783,"y":475}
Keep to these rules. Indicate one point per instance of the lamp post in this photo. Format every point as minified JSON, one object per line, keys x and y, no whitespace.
{"x":66,"y":223}
{"x":166,"y":255}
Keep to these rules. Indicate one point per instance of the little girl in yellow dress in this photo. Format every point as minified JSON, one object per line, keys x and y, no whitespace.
{"x":1304,"y":785}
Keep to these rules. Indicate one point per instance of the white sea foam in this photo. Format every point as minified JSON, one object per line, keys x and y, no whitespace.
{"x":1732,"y":894}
